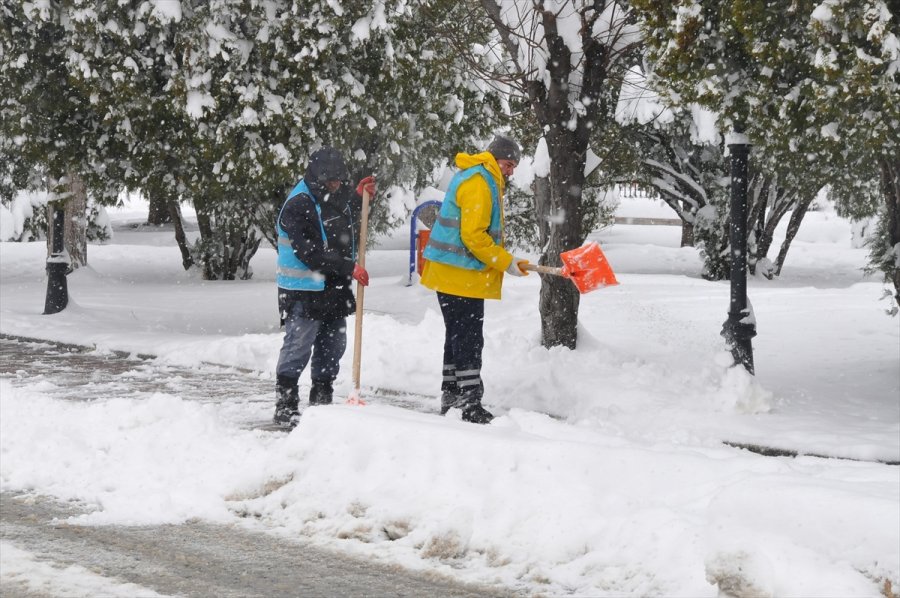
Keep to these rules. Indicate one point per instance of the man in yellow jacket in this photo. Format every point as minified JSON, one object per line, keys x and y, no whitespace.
{"x":465,"y":263}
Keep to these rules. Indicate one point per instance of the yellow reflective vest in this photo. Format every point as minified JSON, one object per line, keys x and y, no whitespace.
{"x":473,"y":197}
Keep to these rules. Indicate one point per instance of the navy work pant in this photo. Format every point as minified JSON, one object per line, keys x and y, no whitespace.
{"x":463,"y":345}
{"x":324,"y":340}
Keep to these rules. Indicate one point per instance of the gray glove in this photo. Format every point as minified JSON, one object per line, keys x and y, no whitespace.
{"x":514,"y":267}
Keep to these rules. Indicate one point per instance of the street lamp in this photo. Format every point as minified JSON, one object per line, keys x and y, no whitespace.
{"x":740,"y":326}
{"x":57,"y":264}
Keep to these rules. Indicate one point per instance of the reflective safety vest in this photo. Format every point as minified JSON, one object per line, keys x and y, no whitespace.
{"x":445,"y":243}
{"x":291,"y":273}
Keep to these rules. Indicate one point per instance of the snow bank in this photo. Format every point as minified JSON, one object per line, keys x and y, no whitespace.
{"x":527,"y":500}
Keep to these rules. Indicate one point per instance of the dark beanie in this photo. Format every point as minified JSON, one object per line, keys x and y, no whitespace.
{"x":504,"y":148}
{"x":327,"y":164}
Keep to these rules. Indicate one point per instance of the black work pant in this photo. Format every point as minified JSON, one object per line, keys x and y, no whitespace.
{"x":463,"y":345}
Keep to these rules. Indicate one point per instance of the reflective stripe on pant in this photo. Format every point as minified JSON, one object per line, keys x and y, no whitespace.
{"x":324,"y":340}
{"x":463,"y":345}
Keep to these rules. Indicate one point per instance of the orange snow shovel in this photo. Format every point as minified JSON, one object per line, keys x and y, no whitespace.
{"x":586,"y":267}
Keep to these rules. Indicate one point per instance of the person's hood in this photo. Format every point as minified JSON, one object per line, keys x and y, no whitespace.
{"x":326,"y":164}
{"x":487,"y":160}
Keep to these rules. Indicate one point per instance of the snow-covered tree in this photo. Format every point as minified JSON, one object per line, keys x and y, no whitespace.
{"x":812,"y":83}
{"x":683,"y":159}
{"x":856,"y":59}
{"x":51,"y":137}
{"x":125,"y":57}
{"x":221,"y":103}
{"x":561,"y":60}
{"x":272,"y":82}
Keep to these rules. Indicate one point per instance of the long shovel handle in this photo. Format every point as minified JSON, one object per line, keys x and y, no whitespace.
{"x":360,"y":294}
{"x":543,"y":269}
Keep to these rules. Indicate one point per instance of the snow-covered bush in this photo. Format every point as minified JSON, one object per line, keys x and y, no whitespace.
{"x":24,"y":218}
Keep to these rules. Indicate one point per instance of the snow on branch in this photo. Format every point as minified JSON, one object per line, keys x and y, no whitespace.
{"x":683,"y":178}
{"x":540,"y":35}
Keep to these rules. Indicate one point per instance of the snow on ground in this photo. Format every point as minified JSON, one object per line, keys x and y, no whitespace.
{"x":626,"y":490}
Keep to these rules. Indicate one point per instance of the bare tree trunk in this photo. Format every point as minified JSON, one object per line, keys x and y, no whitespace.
{"x":542,"y":208}
{"x":552,"y":288}
{"x":76,"y":222}
{"x":890,"y":186}
{"x":676,"y":181}
{"x":756,"y":220}
{"x":793,"y":227}
{"x":49,"y":208}
{"x":207,"y":257}
{"x":175,"y":217}
{"x":248,"y":250}
{"x":687,"y":234}
{"x":559,"y":298}
{"x":160,"y":212}
{"x":768,"y":233}
{"x":225,"y":247}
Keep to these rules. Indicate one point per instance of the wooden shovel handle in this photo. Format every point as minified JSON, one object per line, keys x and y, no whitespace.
{"x":543,"y":269}
{"x":360,"y":291}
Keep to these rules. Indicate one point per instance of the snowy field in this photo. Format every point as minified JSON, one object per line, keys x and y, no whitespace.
{"x":627,"y":489}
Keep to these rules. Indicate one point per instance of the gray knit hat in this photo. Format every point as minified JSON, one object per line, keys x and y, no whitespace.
{"x":504,"y":148}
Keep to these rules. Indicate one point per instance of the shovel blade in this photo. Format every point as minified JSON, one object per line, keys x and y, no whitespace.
{"x":588,"y":268}
{"x":355,"y":398}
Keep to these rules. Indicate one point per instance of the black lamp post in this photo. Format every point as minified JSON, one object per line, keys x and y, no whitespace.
{"x":740,"y":326}
{"x":57,"y":265}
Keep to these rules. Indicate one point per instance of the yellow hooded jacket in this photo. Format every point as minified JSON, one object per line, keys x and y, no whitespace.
{"x":473,"y":197}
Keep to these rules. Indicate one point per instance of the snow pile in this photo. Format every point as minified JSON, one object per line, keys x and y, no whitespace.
{"x":163,"y":460}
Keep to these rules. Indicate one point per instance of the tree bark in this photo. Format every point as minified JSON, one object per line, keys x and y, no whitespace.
{"x":541,"y":188}
{"x":160,"y":212}
{"x":49,"y":209}
{"x":206,"y":239}
{"x":771,"y":203}
{"x":249,"y":246}
{"x":559,"y":298}
{"x":757,"y":198}
{"x":793,"y":227}
{"x":776,"y":214}
{"x":890,"y":186}
{"x":76,"y":222}
{"x":225,"y":247}
{"x":174,"y":209}
{"x":687,"y":234}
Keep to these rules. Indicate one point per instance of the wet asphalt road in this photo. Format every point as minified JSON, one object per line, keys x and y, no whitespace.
{"x":201,"y":560}
{"x":193,"y":559}
{"x":80,"y":373}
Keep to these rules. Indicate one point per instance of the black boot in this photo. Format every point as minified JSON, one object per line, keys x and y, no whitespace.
{"x":469,"y":403}
{"x":476,"y":414}
{"x":287,"y":400}
{"x":449,"y":400}
{"x":321,"y":392}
